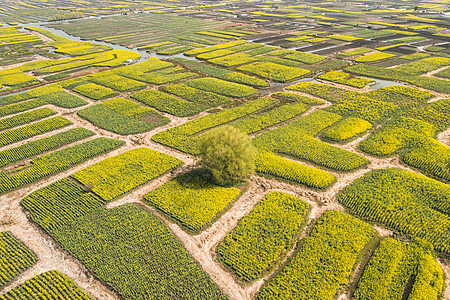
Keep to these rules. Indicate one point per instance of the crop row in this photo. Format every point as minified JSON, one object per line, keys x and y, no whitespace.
{"x":391,"y":196}
{"x":297,"y":98}
{"x":123,"y":116}
{"x":169,"y":104}
{"x":390,"y":268}
{"x":346,"y":129}
{"x":191,"y":199}
{"x":304,"y":57}
{"x":55,"y":162}
{"x":118,"y":175}
{"x":275,"y":165}
{"x":198,"y":51}
{"x":345,"y":78}
{"x":130,"y":248}
{"x":399,"y":133}
{"x":431,"y":157}
{"x":27,"y":131}
{"x":274,"y":71}
{"x":116,"y":82}
{"x":267,"y":119}
{"x":49,"y":94}
{"x":232,"y":60}
{"x":296,"y":139}
{"x":40,"y":146}
{"x":322,"y":263}
{"x":222,"y":87}
{"x":26,"y":117}
{"x":164,"y":76}
{"x":260,"y":237}
{"x":430,"y":83}
{"x":51,"y":285}
{"x":94,"y":91}
{"x":18,"y":80}
{"x":424,"y":66}
{"x":15,"y":257}
{"x":374,"y":57}
{"x":179,"y":137}
{"x":221,"y":73}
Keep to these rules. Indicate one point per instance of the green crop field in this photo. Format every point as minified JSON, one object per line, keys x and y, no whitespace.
{"x":240,"y":150}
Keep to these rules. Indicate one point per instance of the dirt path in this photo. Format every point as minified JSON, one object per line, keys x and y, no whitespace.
{"x":445,"y":264}
{"x":42,"y":37}
{"x":37,"y":58}
{"x":444,"y":137}
{"x":430,"y":74}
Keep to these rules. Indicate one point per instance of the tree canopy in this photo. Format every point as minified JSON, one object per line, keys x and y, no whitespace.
{"x":228,"y":153}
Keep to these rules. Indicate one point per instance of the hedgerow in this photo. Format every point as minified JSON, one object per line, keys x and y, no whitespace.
{"x":391,"y":196}
{"x":119,"y":174}
{"x":261,"y":237}
{"x":323,"y":261}
{"x":51,"y":285}
{"x":15,"y":258}
{"x":191,"y":199}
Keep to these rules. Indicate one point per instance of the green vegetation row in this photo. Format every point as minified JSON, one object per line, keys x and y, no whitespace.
{"x":55,"y":162}
{"x":123,"y":116}
{"x":323,"y":261}
{"x":14,"y":258}
{"x":40,"y":146}
{"x":51,"y":285}
{"x":262,"y":236}
{"x":391,"y":196}
{"x":129,"y":248}
{"x":191,"y":199}
{"x":391,"y":267}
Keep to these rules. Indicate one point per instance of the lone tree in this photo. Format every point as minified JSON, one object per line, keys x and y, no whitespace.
{"x":228,"y":153}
